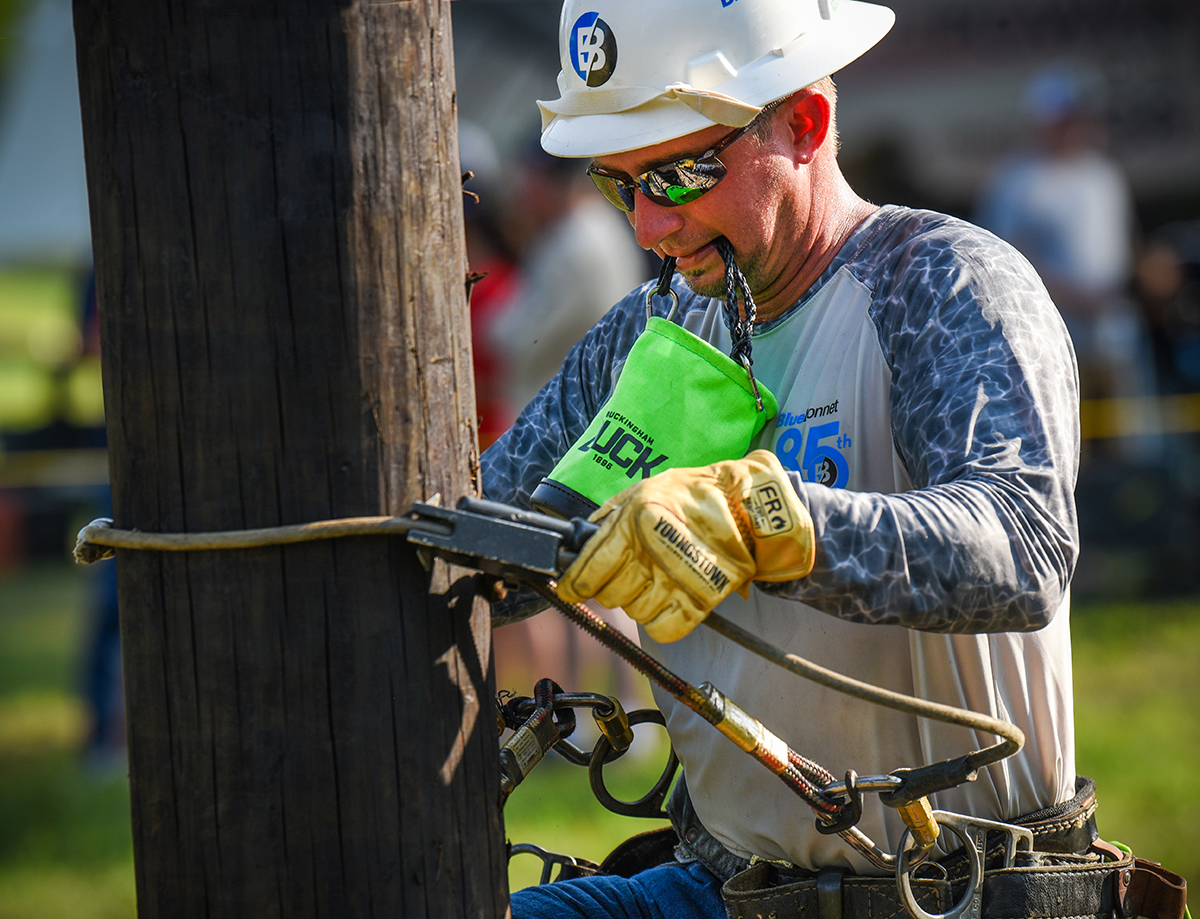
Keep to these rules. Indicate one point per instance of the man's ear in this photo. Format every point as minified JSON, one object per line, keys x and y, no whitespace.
{"x":809,"y":122}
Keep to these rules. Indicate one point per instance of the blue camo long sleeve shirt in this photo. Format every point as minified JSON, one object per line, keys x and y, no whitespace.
{"x":983,"y":421}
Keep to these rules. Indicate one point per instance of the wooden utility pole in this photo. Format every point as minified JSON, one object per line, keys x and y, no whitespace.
{"x":277,"y":229}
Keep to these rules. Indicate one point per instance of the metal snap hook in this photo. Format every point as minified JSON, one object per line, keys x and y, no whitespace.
{"x":753,"y":382}
{"x":851,"y":811}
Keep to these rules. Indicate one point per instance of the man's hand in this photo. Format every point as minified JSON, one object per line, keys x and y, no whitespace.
{"x":675,"y":545}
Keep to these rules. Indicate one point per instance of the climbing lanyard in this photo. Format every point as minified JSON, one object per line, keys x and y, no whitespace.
{"x":837,"y":805}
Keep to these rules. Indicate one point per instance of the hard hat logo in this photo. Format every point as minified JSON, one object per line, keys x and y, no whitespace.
{"x":724,"y":61}
{"x":593,"y":49}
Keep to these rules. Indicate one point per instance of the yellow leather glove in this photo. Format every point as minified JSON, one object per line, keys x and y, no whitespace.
{"x":675,"y":545}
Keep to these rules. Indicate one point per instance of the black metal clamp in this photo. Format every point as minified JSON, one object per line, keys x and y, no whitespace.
{"x":503,"y":541}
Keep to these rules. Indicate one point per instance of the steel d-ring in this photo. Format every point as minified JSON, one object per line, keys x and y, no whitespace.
{"x":974,"y":885}
{"x":670,"y":292}
{"x":973,"y":833}
{"x":650,"y":804}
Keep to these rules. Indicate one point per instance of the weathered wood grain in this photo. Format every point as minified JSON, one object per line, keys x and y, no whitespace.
{"x":280,"y":265}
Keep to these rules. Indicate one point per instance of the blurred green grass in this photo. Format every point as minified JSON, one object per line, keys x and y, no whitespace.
{"x":65,"y":841}
{"x":1137,"y":705}
{"x":43,"y":370}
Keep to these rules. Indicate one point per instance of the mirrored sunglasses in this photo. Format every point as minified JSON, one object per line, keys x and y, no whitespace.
{"x":674,"y":183}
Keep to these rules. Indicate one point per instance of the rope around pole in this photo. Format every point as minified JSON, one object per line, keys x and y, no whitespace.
{"x":100,"y":538}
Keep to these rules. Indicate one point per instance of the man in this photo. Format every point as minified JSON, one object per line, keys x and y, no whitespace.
{"x":1068,"y":207}
{"x":578,"y":258}
{"x":927,"y":440}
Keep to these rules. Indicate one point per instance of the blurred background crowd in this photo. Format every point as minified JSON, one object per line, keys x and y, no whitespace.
{"x":1070,"y":128}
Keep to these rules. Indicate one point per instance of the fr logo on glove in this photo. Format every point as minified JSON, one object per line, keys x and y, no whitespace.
{"x":675,"y":545}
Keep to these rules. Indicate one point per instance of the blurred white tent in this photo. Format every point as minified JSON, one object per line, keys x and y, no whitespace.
{"x":43,"y":187}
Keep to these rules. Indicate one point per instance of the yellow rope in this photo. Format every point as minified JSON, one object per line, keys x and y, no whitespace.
{"x":99,"y":538}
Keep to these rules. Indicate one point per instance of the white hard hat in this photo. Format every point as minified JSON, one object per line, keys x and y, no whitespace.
{"x":640,"y":72}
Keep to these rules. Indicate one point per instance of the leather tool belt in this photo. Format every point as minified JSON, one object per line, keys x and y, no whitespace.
{"x":1042,"y":886}
{"x":1068,"y":875}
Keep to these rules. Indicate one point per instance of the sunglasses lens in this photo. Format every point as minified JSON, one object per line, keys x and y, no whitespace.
{"x":669,"y":185}
{"x":682,"y":181}
{"x":616,"y":191}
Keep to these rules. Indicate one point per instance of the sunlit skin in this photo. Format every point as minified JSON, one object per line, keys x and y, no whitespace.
{"x":784,"y":206}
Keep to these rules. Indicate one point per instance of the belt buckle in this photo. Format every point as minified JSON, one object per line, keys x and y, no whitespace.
{"x":973,"y":833}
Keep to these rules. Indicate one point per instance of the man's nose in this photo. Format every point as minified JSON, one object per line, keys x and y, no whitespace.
{"x":653,"y":223}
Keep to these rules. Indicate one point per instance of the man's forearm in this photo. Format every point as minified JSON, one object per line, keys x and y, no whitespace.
{"x":967,"y":556}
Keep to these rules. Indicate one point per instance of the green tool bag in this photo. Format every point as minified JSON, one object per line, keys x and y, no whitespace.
{"x":678,"y":402}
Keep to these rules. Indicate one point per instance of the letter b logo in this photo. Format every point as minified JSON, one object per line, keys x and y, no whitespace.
{"x":593,"y":49}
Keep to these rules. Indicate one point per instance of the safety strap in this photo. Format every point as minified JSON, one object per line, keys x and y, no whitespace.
{"x":665,"y":273}
{"x":1147,"y":888}
{"x":609,"y":100}
{"x":1047,"y":887}
{"x":741,"y":322}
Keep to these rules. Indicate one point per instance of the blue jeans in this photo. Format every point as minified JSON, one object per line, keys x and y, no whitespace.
{"x":670,"y":891}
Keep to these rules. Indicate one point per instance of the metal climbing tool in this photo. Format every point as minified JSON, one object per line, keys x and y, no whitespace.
{"x":533,"y":549}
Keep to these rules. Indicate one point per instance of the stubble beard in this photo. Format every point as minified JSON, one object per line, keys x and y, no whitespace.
{"x":698,"y":281}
